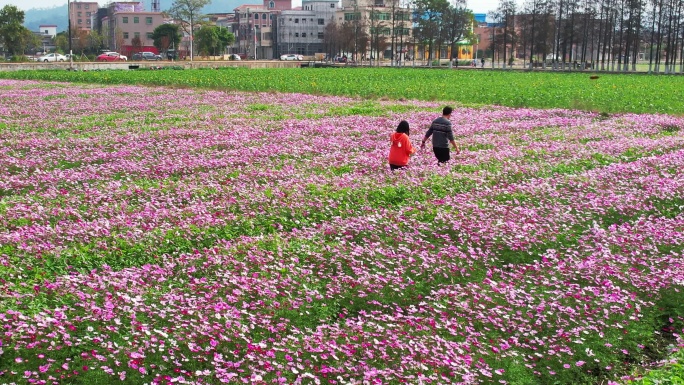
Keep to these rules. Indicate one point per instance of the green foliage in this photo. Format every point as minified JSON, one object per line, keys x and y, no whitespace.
{"x":165,"y":36}
{"x":671,"y":373}
{"x":208,"y":42}
{"x":611,"y":93}
{"x":12,"y":33}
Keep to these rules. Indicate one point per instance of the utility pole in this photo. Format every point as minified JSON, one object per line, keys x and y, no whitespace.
{"x":71,"y":56}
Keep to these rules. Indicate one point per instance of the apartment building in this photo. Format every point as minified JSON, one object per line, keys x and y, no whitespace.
{"x":302,"y":31}
{"x":49,"y":30}
{"x":383,"y":22}
{"x":253,"y":28}
{"x":82,"y":14}
{"x":127,"y":23}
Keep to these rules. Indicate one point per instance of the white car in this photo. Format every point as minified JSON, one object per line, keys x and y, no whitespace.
{"x":291,"y":57}
{"x":52,"y":57}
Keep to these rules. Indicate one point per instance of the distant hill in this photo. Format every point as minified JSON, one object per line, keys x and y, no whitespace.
{"x":34,"y":17}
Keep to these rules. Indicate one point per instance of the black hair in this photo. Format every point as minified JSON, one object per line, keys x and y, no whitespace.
{"x":403,"y":127}
{"x":447,"y":110}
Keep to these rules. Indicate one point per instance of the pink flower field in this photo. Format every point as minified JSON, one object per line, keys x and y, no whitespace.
{"x":164,"y":236}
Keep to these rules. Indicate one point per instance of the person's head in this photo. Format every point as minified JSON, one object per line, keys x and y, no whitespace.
{"x":447,"y":111}
{"x":403,"y":127}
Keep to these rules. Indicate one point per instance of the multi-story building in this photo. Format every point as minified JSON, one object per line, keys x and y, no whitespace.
{"x":302,"y":31}
{"x":253,"y":28}
{"x":386,"y":24}
{"x":48,"y":30}
{"x":129,"y":28}
{"x":47,"y":33}
{"x":82,"y":14}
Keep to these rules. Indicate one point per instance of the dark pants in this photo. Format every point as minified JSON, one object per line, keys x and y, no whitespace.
{"x":442,"y":154}
{"x":394,"y":167}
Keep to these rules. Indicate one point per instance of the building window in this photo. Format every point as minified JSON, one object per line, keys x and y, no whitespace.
{"x":320,"y":35}
{"x":303,"y":34}
{"x":351,"y":16}
{"x":149,"y":36}
{"x":256,"y":16}
{"x":321,"y":21}
{"x":78,"y":6}
{"x":296,"y":21}
{"x":148,"y":20}
{"x":87,"y":21}
{"x":125,"y":20}
{"x":271,"y":4}
{"x":79,"y":14}
{"x":125,"y":35}
{"x":271,"y":17}
{"x":136,"y":34}
{"x":136,"y":20}
{"x":296,"y":34}
{"x":80,"y":21}
{"x":88,"y":14}
{"x":332,"y":5}
{"x":263,"y":16}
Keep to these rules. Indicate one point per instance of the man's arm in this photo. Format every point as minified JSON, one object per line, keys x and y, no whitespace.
{"x":450,"y":136}
{"x":426,"y":137}
{"x":453,"y":143}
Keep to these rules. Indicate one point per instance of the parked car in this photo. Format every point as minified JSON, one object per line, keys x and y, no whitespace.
{"x":112,"y":56}
{"x":51,"y":57}
{"x":234,"y":56}
{"x":146,"y":56}
{"x":291,"y":57}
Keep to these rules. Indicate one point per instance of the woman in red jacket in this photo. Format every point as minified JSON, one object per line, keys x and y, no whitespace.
{"x":401,"y":147}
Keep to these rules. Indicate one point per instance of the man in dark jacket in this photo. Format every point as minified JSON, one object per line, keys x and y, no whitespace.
{"x":442,"y":135}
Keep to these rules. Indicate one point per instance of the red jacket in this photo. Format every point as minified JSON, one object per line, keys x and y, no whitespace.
{"x":400,"y":150}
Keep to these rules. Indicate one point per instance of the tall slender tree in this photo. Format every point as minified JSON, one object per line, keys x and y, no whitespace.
{"x":429,"y":22}
{"x":189,"y":14}
{"x":458,"y":23}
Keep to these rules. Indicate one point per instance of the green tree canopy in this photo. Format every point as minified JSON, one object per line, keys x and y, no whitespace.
{"x":226,"y":37}
{"x":62,"y":42}
{"x":12,"y":32}
{"x":458,"y":24}
{"x":166,"y":36}
{"x":212,"y":40}
{"x":430,"y":19}
{"x":30,"y":41}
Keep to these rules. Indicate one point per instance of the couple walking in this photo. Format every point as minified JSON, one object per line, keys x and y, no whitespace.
{"x":441,"y":133}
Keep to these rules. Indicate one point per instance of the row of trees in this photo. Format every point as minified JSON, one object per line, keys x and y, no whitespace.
{"x":602,"y":34}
